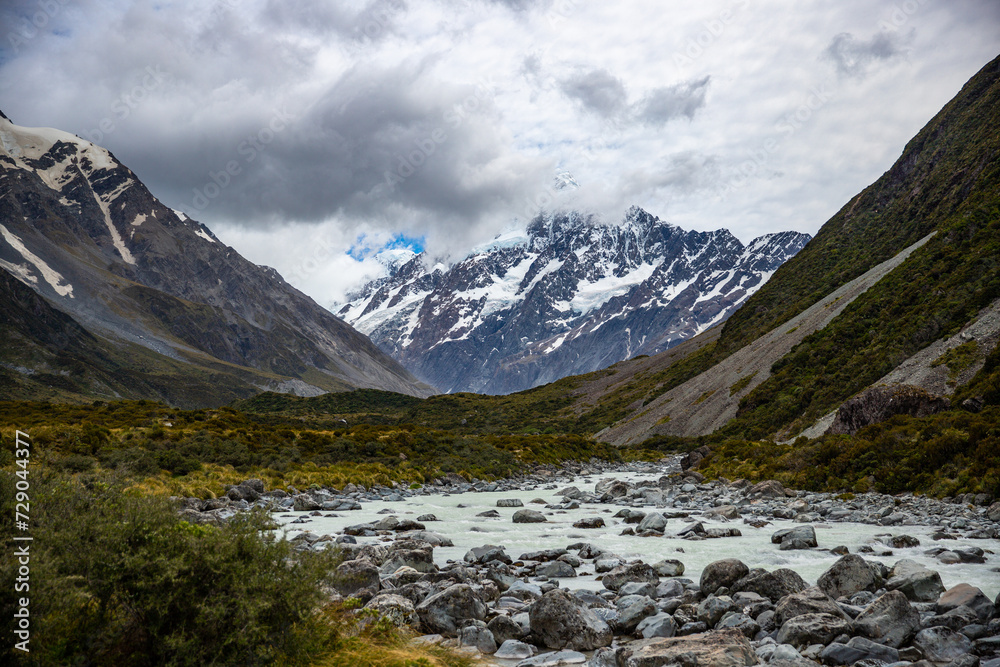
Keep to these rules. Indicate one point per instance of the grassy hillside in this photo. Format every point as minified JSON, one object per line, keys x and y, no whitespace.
{"x":947,"y":180}
{"x":947,"y":170}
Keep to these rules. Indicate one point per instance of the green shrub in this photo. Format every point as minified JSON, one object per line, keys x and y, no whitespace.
{"x":118,"y":579}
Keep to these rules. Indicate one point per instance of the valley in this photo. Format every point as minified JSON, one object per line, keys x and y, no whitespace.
{"x":613,"y":442}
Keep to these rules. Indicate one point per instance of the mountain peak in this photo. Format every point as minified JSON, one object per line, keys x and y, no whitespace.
{"x":565,"y":295}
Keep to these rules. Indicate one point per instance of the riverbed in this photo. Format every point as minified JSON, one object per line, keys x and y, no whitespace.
{"x":457,"y":520}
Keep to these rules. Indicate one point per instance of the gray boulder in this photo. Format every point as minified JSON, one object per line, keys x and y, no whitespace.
{"x":420,"y":559}
{"x":657,"y":625}
{"x":889,"y":620}
{"x":478,"y":636}
{"x":555,"y":569}
{"x":857,"y":649}
{"x":810,"y":601}
{"x":653,"y":521}
{"x":800,"y":537}
{"x":849,"y":575}
{"x":305,"y":503}
{"x":712,"y":609}
{"x":510,"y":502}
{"x":554,"y":659}
{"x":771,"y":585}
{"x":957,"y":619}
{"x":915,"y":581}
{"x":643,"y":588}
{"x":810,"y":629}
{"x":634,"y":612}
{"x":528,"y":516}
{"x":513,"y":649}
{"x":942,"y":644}
{"x":589,"y":522}
{"x":559,"y":621}
{"x":969,"y":596}
{"x":504,"y":629}
{"x":395,"y":609}
{"x":446,"y":612}
{"x":723,"y":648}
{"x":745,"y":624}
{"x":669,"y":568}
{"x":722,"y":573}
{"x":356,"y":578}
{"x":622,"y":574}
{"x":487,"y":553}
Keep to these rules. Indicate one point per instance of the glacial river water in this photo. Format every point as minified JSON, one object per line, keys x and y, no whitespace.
{"x":458,"y":521}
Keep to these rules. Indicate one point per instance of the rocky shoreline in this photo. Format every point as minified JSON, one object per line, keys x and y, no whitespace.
{"x":515,"y":607}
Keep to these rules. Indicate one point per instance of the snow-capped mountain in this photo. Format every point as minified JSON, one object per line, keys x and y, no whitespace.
{"x":169,"y":311}
{"x":566,"y":295}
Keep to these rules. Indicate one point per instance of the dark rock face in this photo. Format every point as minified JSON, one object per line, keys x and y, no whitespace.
{"x":721,"y":573}
{"x":771,"y":585}
{"x":889,"y":620}
{"x":559,"y":621}
{"x":568,"y":296}
{"x":357,"y":578}
{"x":849,"y":575}
{"x":879,"y":403}
{"x":723,"y":648}
{"x":129,"y":269}
{"x":813,"y":628}
{"x":446,"y":612}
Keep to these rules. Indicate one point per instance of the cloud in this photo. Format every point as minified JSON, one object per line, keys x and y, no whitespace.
{"x":597,"y":90}
{"x":854,"y":57}
{"x":665,"y":104}
{"x":449,"y":118}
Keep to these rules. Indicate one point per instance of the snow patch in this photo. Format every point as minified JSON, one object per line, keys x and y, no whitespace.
{"x":139,"y":219}
{"x":116,"y":238}
{"x":591,"y":295}
{"x":51,"y":276}
{"x":201,"y":232}
{"x":180,"y":214}
{"x":508,"y":239}
{"x":21,"y":271}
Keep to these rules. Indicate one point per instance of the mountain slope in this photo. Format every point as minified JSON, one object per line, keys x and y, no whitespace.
{"x":947,"y":181}
{"x":80,"y":229}
{"x":565,"y":296}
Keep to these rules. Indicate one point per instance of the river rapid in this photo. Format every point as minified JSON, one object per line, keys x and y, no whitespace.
{"x":457,"y":520}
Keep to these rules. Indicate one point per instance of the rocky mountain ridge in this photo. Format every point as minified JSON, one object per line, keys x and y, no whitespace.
{"x":82,"y":231}
{"x":566,"y":295}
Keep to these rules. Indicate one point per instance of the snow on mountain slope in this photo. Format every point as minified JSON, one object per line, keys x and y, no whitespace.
{"x":566,"y":295}
{"x":82,"y":231}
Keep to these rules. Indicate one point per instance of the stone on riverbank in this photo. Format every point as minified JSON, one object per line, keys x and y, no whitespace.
{"x":849,"y":575}
{"x":528,"y":516}
{"x":445,"y":612}
{"x":559,"y":621}
{"x":889,"y":620}
{"x":723,"y":648}
{"x":722,"y":573}
{"x":918,"y":583}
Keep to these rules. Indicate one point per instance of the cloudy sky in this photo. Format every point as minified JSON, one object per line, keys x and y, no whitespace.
{"x":309,"y":134}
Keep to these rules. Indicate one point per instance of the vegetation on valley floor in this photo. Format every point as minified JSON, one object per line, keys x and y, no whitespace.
{"x":118,"y":579}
